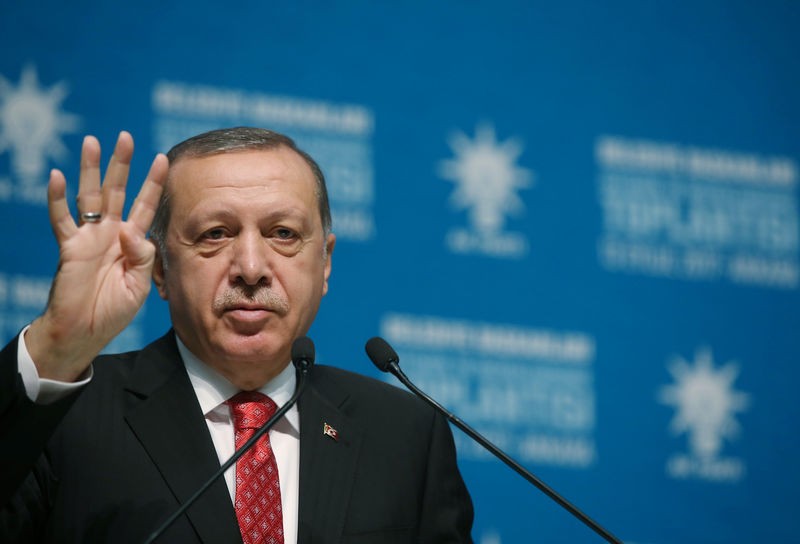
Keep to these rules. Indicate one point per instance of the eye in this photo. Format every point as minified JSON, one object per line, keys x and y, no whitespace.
{"x":285,"y":234}
{"x":214,"y":234}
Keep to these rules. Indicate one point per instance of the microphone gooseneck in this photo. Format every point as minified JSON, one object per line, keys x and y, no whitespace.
{"x":303,"y":360}
{"x":385,"y":358}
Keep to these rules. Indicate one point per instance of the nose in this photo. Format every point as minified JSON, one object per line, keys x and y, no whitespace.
{"x":250,"y":262}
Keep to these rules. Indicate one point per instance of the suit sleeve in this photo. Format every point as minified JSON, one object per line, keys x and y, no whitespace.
{"x":25,"y":428}
{"x":447,"y":512}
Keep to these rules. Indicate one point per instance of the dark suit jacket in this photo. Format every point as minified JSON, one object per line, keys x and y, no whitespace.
{"x":110,"y":463}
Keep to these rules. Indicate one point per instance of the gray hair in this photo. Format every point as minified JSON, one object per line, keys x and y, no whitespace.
{"x":228,"y":140}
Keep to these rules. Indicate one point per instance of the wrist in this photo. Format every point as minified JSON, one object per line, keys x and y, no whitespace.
{"x":55,"y":353}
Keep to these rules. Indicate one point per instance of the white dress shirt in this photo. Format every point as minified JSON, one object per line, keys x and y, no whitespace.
{"x":212,"y":390}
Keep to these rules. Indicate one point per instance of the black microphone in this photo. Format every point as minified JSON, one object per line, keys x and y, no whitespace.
{"x":385,"y":358}
{"x":303,"y":355}
{"x":303,"y":360}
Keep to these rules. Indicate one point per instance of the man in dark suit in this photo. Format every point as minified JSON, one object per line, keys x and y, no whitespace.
{"x":242,"y":253}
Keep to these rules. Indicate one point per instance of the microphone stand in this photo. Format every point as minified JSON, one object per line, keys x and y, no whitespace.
{"x":394,"y":368}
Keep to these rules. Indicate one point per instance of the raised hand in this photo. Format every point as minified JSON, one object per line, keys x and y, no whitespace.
{"x":105,"y":263}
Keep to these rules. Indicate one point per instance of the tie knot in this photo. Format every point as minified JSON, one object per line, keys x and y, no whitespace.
{"x":251,"y":409}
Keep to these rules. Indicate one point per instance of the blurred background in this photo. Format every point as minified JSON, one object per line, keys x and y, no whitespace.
{"x":576,"y":222}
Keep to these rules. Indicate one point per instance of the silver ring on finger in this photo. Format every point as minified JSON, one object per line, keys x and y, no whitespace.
{"x":91,"y":217}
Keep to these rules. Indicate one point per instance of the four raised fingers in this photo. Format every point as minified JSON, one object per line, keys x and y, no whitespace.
{"x":110,"y":199}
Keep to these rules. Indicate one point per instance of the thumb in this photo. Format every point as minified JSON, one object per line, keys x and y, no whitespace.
{"x":138,"y":251}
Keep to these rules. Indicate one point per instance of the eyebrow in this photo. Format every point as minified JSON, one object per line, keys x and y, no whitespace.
{"x":226,"y":213}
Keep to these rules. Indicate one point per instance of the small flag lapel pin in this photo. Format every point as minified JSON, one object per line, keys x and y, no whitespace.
{"x":330,"y":431}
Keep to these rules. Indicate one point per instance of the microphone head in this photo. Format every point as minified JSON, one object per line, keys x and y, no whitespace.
{"x":303,"y":352}
{"x":381,"y":353}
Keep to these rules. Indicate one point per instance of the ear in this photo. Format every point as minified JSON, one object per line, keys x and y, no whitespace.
{"x":159,"y":274}
{"x":330,"y":243}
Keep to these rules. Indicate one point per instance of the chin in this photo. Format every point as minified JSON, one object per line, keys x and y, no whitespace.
{"x":256,"y":348}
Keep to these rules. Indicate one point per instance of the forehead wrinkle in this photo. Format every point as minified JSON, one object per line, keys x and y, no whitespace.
{"x":243,"y":183}
{"x":272,"y":193}
{"x":200,"y":213}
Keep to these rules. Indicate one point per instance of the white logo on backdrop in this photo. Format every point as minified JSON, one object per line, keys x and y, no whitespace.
{"x":31,"y":125}
{"x":487,"y":179}
{"x":706,"y":404}
{"x":699,"y":214}
{"x":529,"y":390}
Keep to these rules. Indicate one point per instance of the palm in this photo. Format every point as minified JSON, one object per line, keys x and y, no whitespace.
{"x":107,"y":287}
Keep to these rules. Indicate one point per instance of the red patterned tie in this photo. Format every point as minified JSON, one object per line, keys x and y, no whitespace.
{"x":258,"y":491}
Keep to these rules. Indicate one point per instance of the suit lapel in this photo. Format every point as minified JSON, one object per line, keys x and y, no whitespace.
{"x":166,"y":418}
{"x":327,"y":465}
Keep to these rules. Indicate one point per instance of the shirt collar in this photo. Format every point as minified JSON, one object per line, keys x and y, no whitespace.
{"x":213,"y":389}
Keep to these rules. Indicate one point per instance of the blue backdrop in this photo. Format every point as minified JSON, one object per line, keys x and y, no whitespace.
{"x":577,"y":223}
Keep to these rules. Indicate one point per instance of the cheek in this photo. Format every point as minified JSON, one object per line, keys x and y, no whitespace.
{"x":306,"y":284}
{"x":196,"y":282}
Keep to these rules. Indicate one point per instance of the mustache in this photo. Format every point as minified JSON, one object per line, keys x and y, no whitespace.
{"x":245,"y":295}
